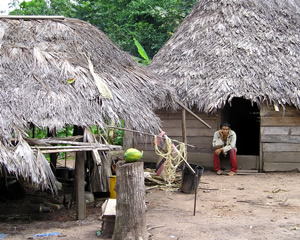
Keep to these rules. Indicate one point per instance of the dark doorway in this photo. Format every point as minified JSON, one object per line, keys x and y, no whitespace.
{"x":244,"y":119}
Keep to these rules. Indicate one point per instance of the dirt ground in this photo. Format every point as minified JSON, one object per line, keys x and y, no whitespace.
{"x":245,"y":206}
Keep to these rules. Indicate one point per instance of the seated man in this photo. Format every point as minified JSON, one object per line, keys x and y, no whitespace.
{"x":224,"y":144}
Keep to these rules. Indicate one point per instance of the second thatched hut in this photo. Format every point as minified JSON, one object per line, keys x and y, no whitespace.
{"x":238,"y":61}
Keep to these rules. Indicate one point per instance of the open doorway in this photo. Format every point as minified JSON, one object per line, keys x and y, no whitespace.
{"x":244,"y":119}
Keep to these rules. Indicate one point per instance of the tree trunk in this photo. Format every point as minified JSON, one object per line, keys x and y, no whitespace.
{"x":130,"y":223}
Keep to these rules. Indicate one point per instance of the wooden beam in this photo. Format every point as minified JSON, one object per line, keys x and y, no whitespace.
{"x":193,"y":114}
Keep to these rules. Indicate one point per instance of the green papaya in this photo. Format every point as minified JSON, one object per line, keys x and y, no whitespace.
{"x":132,"y":155}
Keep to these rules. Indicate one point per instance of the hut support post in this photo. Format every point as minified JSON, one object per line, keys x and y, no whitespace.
{"x":260,"y":160}
{"x":130,"y":220}
{"x":79,"y":181}
{"x":53,"y":156}
{"x":184,"y":137}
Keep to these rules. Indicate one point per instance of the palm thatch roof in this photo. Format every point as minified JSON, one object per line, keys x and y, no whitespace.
{"x":56,"y":71}
{"x":235,"y":48}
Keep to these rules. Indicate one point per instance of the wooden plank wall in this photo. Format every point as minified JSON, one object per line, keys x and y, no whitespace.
{"x":198,"y":135}
{"x":280,"y":139}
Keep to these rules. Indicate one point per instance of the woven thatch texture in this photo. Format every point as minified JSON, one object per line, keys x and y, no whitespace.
{"x":65,"y":71}
{"x":235,"y":48}
{"x":38,"y":56}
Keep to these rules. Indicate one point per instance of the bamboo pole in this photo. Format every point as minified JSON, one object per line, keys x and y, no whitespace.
{"x":55,"y":141}
{"x":74,"y":150}
{"x":69,"y":147}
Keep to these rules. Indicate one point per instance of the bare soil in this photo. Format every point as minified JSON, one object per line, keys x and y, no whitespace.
{"x":245,"y":206}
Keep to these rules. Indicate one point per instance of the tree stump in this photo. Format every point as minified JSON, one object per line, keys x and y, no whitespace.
{"x":130,"y":223}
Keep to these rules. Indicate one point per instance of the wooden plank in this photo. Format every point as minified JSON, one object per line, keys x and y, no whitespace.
{"x":202,"y":149}
{"x":177,"y":115}
{"x":281,"y":147}
{"x":204,"y":143}
{"x":275,"y":130}
{"x":246,"y":162}
{"x":176,"y":132}
{"x":288,"y":112}
{"x":109,"y":207}
{"x":282,"y":167}
{"x":280,"y":114}
{"x":280,"y":139}
{"x":280,"y":121}
{"x":191,"y":123}
{"x":281,"y":157}
{"x":284,"y":130}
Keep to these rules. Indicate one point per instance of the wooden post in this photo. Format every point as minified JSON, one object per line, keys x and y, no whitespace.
{"x":184,"y":137}
{"x":79,"y":179}
{"x":261,"y":151}
{"x":53,"y":156}
{"x":130,"y":220}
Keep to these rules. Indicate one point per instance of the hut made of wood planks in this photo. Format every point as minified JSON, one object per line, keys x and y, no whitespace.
{"x":237,"y":61}
{"x":273,"y":136}
{"x":280,"y":139}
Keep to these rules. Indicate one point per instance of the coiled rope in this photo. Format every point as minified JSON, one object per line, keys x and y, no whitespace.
{"x":174,"y":156}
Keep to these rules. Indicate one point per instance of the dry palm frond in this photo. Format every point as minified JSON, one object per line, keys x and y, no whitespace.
{"x":89,"y":137}
{"x":234,"y":48}
{"x":48,"y":180}
{"x":33,"y":167}
{"x":58,"y":71}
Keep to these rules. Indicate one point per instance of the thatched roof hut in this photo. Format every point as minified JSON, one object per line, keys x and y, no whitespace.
{"x":235,"y":60}
{"x":235,"y":48}
{"x":56,"y":71}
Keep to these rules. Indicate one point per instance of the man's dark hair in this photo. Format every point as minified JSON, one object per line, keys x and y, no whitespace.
{"x":225,"y":124}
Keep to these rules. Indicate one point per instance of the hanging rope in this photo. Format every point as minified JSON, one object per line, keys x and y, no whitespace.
{"x":173,"y":156}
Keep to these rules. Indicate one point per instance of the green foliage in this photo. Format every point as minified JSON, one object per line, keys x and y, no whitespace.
{"x":119,"y":135}
{"x":152,"y":22}
{"x":114,"y":135}
{"x":66,"y":131}
{"x":43,"y":7}
{"x":142,"y":52}
{"x":37,"y":132}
